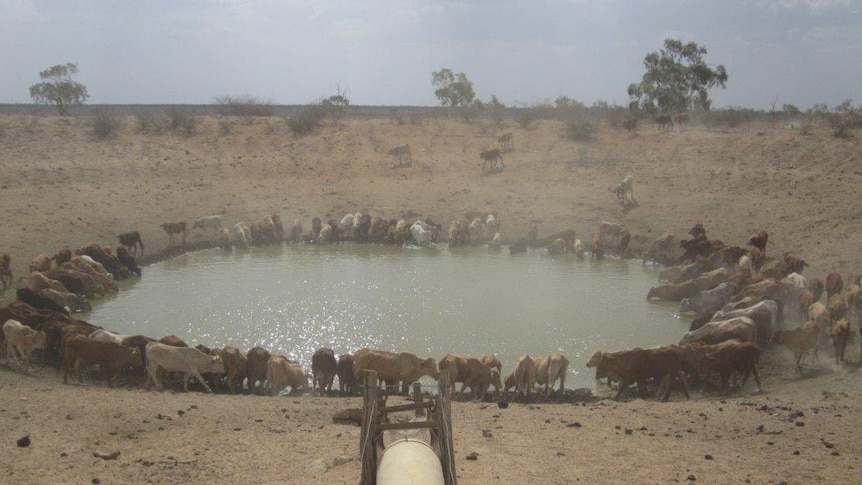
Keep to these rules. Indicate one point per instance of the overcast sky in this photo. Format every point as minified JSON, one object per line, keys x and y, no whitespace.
{"x":383,"y":52}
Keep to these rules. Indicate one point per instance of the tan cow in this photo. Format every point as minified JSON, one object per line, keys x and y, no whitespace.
{"x":799,"y":340}
{"x":281,"y":374}
{"x":524,"y":375}
{"x":392,"y":367}
{"x":190,"y":361}
{"x":235,"y":366}
{"x":551,"y":368}
{"x":493,"y":362}
{"x":21,"y":339}
{"x":41,"y":263}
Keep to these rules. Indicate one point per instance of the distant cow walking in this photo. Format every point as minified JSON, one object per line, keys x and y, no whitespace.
{"x":131,"y":240}
{"x":681,"y":119}
{"x":664,"y":122}
{"x":491,"y":156}
{"x":631,"y":125}
{"x":401,"y":154}
{"x":625,"y":190}
{"x":174,"y":228}
{"x":506,"y":142}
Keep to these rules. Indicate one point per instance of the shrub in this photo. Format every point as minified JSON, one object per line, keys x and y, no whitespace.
{"x":181,"y":120}
{"x":104,"y":124}
{"x":308,"y":120}
{"x":149,"y":123}
{"x":579,"y":130}
{"x":243,"y":106}
{"x":226,"y":127}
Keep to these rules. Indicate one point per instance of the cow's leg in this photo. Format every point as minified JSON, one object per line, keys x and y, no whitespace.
{"x":623,"y":385}
{"x":200,"y":378}
{"x":756,"y":377}
{"x":461,"y":392}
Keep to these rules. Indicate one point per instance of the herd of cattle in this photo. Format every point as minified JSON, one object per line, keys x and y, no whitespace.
{"x":741,"y":304}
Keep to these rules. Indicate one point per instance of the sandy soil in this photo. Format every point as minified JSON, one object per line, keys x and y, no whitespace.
{"x":62,"y":187}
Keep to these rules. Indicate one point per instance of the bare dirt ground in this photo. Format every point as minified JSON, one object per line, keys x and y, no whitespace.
{"x":61,"y":187}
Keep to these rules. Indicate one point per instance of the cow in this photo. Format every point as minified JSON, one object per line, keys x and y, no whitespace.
{"x":111,"y":357}
{"x":834,"y":284}
{"x":741,"y":328}
{"x":66,"y":299}
{"x":766,"y":315}
{"x":393,"y":367}
{"x":207,"y":223}
{"x":625,"y":190}
{"x":401,"y":154}
{"x":63,"y":254}
{"x":664,"y":122}
{"x":491,"y":156}
{"x":256,"y":362}
{"x":324,"y":368}
{"x":799,"y":340}
{"x":726,"y":359}
{"x":493,"y":362}
{"x":235,"y":367}
{"x":478,"y":376}
{"x":240,"y":235}
{"x":597,"y":250}
{"x":189,"y":361}
{"x":104,"y":256}
{"x":840,"y":335}
{"x":21,"y":339}
{"x":5,"y":270}
{"x":345,"y":374}
{"x":681,"y":119}
{"x":281,"y":373}
{"x":127,"y":260}
{"x":551,"y":368}
{"x":174,"y":228}
{"x":631,"y":125}
{"x":33,"y":299}
{"x":708,"y":301}
{"x":690,"y":288}
{"x":131,"y":240}
{"x":637,"y":365}
{"x":40,"y":263}
{"x":524,"y":375}
{"x":506,"y":142}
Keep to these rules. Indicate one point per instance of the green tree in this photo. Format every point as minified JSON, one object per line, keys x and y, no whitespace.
{"x":58,"y":88}
{"x":452,"y":90}
{"x":676,"y":79}
{"x":337,"y":104}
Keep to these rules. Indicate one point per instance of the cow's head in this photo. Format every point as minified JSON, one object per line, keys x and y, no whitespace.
{"x":429,"y":368}
{"x":595,"y":359}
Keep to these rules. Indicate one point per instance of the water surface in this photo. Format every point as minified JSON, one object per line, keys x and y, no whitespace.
{"x":430,"y":301}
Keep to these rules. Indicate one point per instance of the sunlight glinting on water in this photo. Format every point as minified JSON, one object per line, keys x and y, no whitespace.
{"x":429,"y":301}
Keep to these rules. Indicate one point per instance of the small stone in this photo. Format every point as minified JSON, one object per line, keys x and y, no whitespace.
{"x":23,"y":442}
{"x":486,"y":433}
{"x":628,"y":431}
{"x":835,"y":453}
{"x":341,"y":460}
{"x":95,"y":481}
{"x":692,"y":478}
{"x":707,"y":457}
{"x":181,"y":412}
{"x":318,"y":466}
{"x":502,"y":404}
{"x":796,"y":452}
{"x":800,"y":424}
{"x":574,"y":425}
{"x":473,"y":456}
{"x":560,"y":453}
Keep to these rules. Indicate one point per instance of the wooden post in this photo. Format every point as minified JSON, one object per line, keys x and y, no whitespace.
{"x":417,"y":398}
{"x":370,"y":422}
{"x":444,"y":414}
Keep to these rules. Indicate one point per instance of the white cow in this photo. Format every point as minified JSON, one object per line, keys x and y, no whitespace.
{"x":209,"y":222}
{"x":23,"y":340}
{"x":421,"y":235}
{"x":102,"y":335}
{"x":188,"y":360}
{"x":742,"y":328}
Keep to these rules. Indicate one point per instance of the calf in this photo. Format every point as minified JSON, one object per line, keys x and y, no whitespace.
{"x":111,"y":357}
{"x":127,"y":260}
{"x":174,"y":228}
{"x":799,"y":340}
{"x":189,"y":361}
{"x":131,"y":240}
{"x":324,"y":367}
{"x":21,"y":339}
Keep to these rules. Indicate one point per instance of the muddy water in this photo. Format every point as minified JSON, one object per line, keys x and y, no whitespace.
{"x":430,"y":301}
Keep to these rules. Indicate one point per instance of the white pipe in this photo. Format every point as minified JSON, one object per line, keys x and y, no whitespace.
{"x":409,"y":462}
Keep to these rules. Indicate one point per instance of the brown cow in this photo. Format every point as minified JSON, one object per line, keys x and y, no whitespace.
{"x":235,"y":366}
{"x":393,"y":367}
{"x":174,"y":228}
{"x":637,"y":365}
{"x":840,"y":335}
{"x":324,"y":368}
{"x":5,"y":270}
{"x":81,"y":351}
{"x":345,"y":374}
{"x":257,"y":360}
{"x":799,"y":340}
{"x":727,"y":359}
